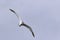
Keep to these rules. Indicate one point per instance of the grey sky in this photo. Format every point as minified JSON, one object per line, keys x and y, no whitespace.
{"x":42,"y":15}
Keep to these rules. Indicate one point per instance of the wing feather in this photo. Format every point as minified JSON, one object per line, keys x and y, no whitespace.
{"x":28,"y":28}
{"x":15,"y":13}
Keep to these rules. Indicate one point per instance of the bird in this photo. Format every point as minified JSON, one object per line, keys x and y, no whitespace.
{"x":22,"y":23}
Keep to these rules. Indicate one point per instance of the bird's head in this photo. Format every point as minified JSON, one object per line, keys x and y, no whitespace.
{"x":20,"y":23}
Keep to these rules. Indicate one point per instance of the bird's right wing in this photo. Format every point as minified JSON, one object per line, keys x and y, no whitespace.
{"x":28,"y":28}
{"x":15,"y":14}
{"x":12,"y":11}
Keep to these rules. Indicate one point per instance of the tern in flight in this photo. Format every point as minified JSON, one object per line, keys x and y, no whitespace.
{"x":21,"y":23}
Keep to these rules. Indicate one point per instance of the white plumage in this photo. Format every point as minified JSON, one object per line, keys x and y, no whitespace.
{"x":21,"y":23}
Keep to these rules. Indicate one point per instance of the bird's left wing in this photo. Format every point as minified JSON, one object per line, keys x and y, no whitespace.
{"x":28,"y":28}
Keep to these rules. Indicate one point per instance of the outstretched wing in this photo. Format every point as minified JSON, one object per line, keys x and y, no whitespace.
{"x":23,"y":24}
{"x":15,"y":14}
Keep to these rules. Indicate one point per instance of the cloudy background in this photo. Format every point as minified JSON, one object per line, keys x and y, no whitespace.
{"x":42,"y":15}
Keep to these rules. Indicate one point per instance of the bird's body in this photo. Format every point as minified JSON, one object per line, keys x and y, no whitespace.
{"x":21,"y":23}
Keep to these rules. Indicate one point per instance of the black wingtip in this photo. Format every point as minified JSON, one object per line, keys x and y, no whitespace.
{"x":12,"y":10}
{"x":33,"y":34}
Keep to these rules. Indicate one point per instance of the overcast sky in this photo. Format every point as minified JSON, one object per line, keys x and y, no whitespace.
{"x":42,"y":15}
